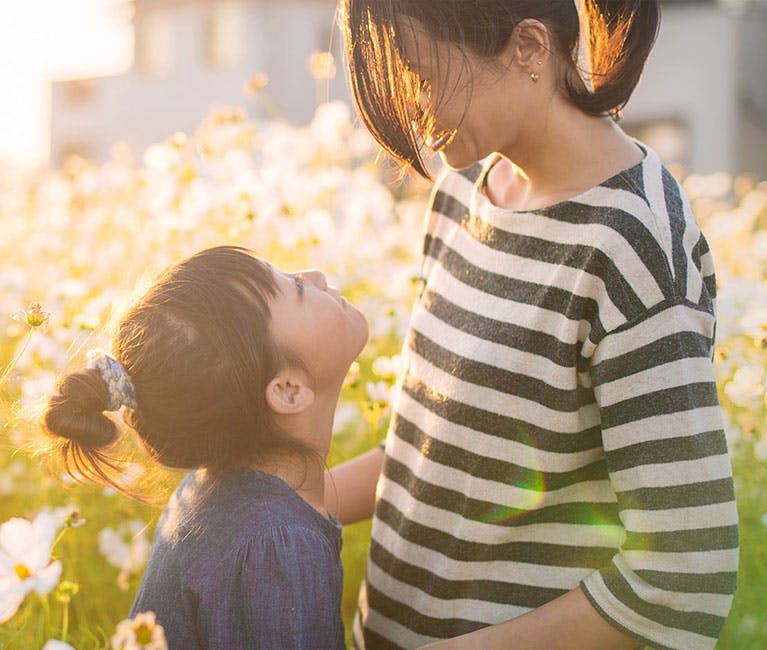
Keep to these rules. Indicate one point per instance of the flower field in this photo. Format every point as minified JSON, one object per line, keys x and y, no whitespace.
{"x":76,"y":242}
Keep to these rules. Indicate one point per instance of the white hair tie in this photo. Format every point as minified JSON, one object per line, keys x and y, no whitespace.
{"x":583,"y":53}
{"x":115,"y":377}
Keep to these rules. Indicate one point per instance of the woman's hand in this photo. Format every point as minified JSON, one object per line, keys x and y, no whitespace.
{"x":569,"y":622}
{"x":350,"y":488}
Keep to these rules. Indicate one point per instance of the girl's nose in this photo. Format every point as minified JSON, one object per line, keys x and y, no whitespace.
{"x":317,"y":278}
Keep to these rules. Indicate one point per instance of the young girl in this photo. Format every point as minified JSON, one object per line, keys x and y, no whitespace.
{"x":555,"y":474}
{"x":231,"y":368}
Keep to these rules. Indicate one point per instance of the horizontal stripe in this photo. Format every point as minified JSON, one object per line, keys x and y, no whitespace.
{"x":492,"y":469}
{"x":496,"y":424}
{"x":525,"y":349}
{"x":500,"y":312}
{"x":664,"y":426}
{"x":681,"y":448}
{"x":597,"y":249}
{"x":557,"y":261}
{"x":690,"y":621}
{"x":671,"y":400}
{"x":457,"y":549}
{"x":681,"y":496}
{"x":379,"y":630}
{"x":586,"y":510}
{"x":648,"y":521}
{"x":657,"y":475}
{"x":679,"y":345}
{"x":484,"y":600}
{"x":490,"y":499}
{"x":523,"y":573}
{"x":590,"y":532}
{"x":650,"y":632}
{"x":541,"y":296}
{"x":498,"y":379}
{"x":681,"y":541}
{"x":412,"y":619}
{"x":693,"y":583}
{"x":666,"y":319}
{"x":704,"y":603}
{"x":497,"y":402}
{"x":663,"y":377}
{"x":691,"y":562}
{"x":522,"y":452}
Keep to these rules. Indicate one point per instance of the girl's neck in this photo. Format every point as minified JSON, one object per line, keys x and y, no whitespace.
{"x":312,"y":428}
{"x":304,"y":473}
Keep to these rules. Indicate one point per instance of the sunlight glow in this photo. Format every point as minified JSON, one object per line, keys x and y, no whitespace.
{"x":42,"y":40}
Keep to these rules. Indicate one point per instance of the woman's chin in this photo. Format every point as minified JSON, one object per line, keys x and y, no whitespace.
{"x":455,"y":158}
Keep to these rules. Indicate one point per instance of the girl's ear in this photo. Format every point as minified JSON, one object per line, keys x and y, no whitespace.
{"x":288,"y":393}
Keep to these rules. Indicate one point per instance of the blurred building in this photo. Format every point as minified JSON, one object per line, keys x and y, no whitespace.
{"x":702,"y":101}
{"x":192,"y":55}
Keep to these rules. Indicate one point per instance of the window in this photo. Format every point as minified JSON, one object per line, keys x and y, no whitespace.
{"x":226,"y":34}
{"x":154,"y":43}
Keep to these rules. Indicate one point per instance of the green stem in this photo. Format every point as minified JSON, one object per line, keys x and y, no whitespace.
{"x":65,"y":623}
{"x":61,"y":534}
{"x":47,"y":612}
{"x":9,"y":368}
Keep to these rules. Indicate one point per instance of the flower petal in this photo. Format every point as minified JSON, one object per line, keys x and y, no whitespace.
{"x":47,"y":578}
{"x":16,"y":537}
{"x":12,"y":594}
{"x":55,"y":644}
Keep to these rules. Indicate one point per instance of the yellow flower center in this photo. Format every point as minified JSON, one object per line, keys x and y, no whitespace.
{"x":22,"y":571}
{"x":143,"y":634}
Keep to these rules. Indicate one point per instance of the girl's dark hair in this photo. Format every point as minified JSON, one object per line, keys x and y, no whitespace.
{"x":199,"y":354}
{"x":386,"y":88}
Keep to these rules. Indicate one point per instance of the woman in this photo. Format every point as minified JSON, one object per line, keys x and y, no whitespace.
{"x":555,"y":474}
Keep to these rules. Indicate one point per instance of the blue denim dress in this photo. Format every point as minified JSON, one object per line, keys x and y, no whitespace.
{"x":244,"y":563}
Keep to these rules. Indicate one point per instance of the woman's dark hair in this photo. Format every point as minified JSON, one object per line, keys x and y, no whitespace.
{"x":199,"y":354}
{"x":386,"y":88}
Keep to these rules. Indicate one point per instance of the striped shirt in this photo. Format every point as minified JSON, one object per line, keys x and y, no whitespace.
{"x":557,"y":423}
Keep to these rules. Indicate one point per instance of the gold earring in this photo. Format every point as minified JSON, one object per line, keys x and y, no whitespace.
{"x":535,"y":77}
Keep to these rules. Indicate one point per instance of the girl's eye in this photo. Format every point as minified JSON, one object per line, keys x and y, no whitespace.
{"x":299,"y":280}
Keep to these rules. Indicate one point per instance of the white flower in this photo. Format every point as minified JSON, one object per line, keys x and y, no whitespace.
{"x":760,"y":448}
{"x":389,"y":367}
{"x":126,"y":548}
{"x":746,"y":386}
{"x":380,"y":392}
{"x":55,"y":644}
{"x":25,"y":561}
{"x":140,"y":633}
{"x":345,"y":414}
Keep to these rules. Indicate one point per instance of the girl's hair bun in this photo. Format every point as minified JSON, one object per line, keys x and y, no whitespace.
{"x":76,"y":412}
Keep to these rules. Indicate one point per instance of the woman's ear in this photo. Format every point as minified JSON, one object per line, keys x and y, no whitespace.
{"x":289,"y":393}
{"x":529,"y":44}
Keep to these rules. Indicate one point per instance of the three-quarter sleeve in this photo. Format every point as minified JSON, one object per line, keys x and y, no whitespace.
{"x":281,"y":589}
{"x":672,"y":581}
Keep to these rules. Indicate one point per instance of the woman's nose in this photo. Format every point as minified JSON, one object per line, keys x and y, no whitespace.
{"x":317,"y":278}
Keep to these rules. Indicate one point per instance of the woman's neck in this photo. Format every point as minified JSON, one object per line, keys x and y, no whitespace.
{"x":567,"y":154}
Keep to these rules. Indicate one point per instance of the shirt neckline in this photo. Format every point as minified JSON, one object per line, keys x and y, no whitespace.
{"x":480,"y":201}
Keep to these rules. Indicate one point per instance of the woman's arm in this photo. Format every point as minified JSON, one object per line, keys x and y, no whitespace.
{"x":350,"y":488}
{"x":569,"y":622}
